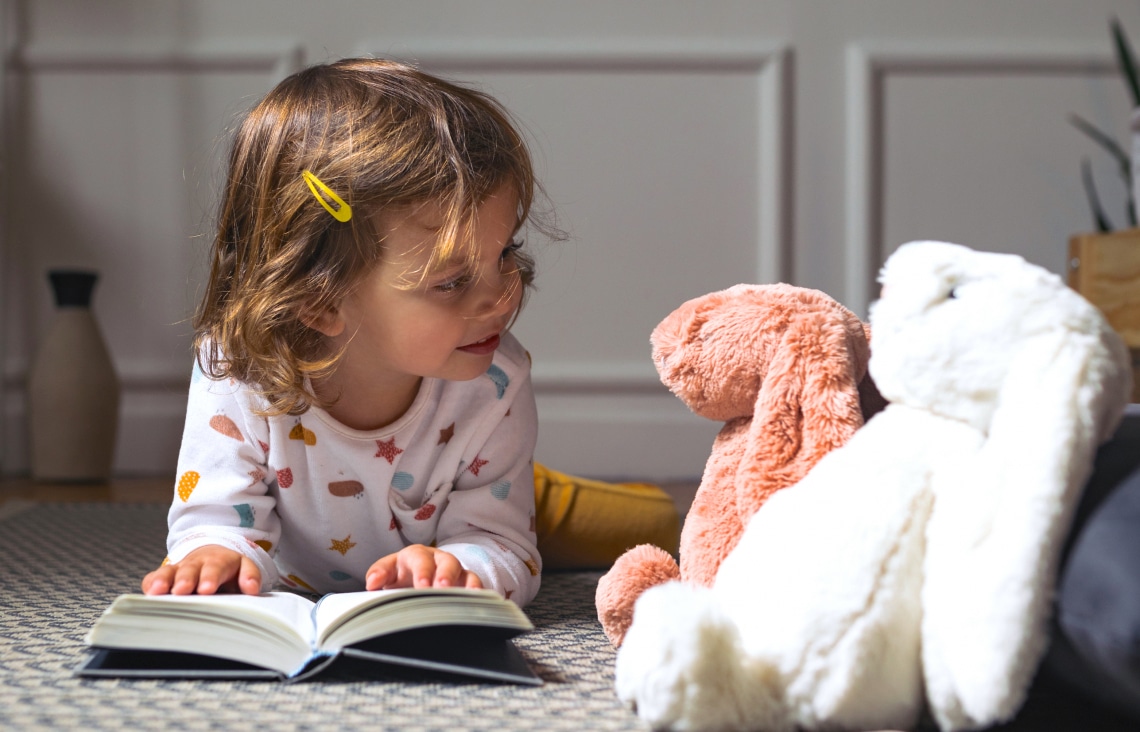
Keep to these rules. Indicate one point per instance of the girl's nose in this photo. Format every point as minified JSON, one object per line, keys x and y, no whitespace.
{"x":498,"y":295}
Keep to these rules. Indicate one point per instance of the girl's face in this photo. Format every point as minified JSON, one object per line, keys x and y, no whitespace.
{"x":399,"y":326}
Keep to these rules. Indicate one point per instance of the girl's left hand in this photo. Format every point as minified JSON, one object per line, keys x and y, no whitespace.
{"x":419,"y":566}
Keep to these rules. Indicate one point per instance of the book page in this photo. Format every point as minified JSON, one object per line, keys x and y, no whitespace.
{"x":346,"y":618}
{"x":283,"y":609}
{"x":272,"y":630}
{"x":339,"y":607}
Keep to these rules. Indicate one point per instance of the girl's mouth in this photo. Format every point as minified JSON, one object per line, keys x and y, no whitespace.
{"x":483,"y":347}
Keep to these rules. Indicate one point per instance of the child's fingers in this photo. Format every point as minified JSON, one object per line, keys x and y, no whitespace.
{"x":159,"y":581}
{"x":448,"y":571}
{"x":185,"y":578}
{"x":381,"y":573}
{"x":418,"y":564}
{"x":472,"y":581}
{"x":205,"y":570}
{"x":214,"y":574}
{"x":249,"y":577}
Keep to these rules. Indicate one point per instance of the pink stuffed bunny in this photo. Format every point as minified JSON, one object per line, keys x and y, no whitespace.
{"x":785,"y":368}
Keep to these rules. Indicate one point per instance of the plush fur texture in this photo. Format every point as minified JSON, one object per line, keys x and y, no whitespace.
{"x":785,"y":369}
{"x":915,"y":564}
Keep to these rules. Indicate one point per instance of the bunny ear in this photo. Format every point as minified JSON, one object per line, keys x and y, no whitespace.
{"x":1000,"y":520}
{"x":808,"y":405}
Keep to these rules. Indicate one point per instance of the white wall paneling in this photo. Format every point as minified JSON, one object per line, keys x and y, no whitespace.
{"x":684,"y":147}
{"x":871,"y":67}
{"x":713,"y":120}
{"x":120,"y":140}
{"x":5,"y":52}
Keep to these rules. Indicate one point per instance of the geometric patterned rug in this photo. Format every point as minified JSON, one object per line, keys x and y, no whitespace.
{"x":62,"y":564}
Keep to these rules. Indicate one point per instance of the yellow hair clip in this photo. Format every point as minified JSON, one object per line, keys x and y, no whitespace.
{"x":343,"y":213}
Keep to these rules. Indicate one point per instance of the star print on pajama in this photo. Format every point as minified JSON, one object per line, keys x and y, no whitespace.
{"x":314,"y":503}
{"x":476,"y":465}
{"x":342,"y":545}
{"x":387,"y":450}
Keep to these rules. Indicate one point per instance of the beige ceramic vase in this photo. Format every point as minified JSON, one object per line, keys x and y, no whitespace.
{"x":73,"y":392}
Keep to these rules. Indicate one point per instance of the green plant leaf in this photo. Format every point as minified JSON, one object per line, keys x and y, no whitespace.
{"x":1123,"y":159}
{"x":1125,"y":59}
{"x":1100,"y":220}
{"x":1103,"y":139}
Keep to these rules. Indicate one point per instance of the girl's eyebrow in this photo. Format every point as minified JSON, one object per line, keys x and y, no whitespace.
{"x":454,"y":262}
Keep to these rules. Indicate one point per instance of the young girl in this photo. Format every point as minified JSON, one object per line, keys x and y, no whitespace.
{"x":359,"y":416}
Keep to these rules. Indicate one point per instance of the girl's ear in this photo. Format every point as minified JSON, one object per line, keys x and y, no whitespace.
{"x":327,"y":321}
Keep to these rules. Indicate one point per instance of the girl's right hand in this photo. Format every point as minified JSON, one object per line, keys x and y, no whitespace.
{"x":417,"y":565}
{"x":206,"y":570}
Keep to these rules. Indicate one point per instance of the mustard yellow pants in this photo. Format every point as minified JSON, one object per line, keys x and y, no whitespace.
{"x":587,"y":524}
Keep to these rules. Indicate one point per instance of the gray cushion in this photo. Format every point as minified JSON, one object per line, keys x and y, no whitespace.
{"x":1096,"y":646}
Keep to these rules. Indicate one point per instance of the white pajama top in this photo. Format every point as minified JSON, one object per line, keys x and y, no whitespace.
{"x":314,"y":503}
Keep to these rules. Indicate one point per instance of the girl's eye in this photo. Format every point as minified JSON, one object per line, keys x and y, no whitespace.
{"x":510,"y":249}
{"x":460,"y":283}
{"x":456,"y":285}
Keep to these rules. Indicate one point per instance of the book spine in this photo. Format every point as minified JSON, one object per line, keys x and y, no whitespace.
{"x":318,"y":662}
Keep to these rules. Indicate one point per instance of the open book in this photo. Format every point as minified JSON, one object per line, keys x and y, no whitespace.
{"x":287,"y":636}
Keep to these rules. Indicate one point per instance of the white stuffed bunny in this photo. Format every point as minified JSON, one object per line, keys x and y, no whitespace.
{"x":915,"y":564}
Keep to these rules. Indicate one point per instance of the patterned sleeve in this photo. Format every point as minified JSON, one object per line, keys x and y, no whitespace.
{"x":221,"y":495}
{"x":489,"y":520}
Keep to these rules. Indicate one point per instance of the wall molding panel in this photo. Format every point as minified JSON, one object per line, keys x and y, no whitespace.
{"x":682,"y":149}
{"x":130,"y":57}
{"x":153,"y":403}
{"x":770,"y":63}
{"x":7,"y":16}
{"x":577,"y":398}
{"x":869,"y":65}
{"x":584,"y":405}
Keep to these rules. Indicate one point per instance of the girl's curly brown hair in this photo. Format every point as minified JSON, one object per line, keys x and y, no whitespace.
{"x":380,"y":134}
